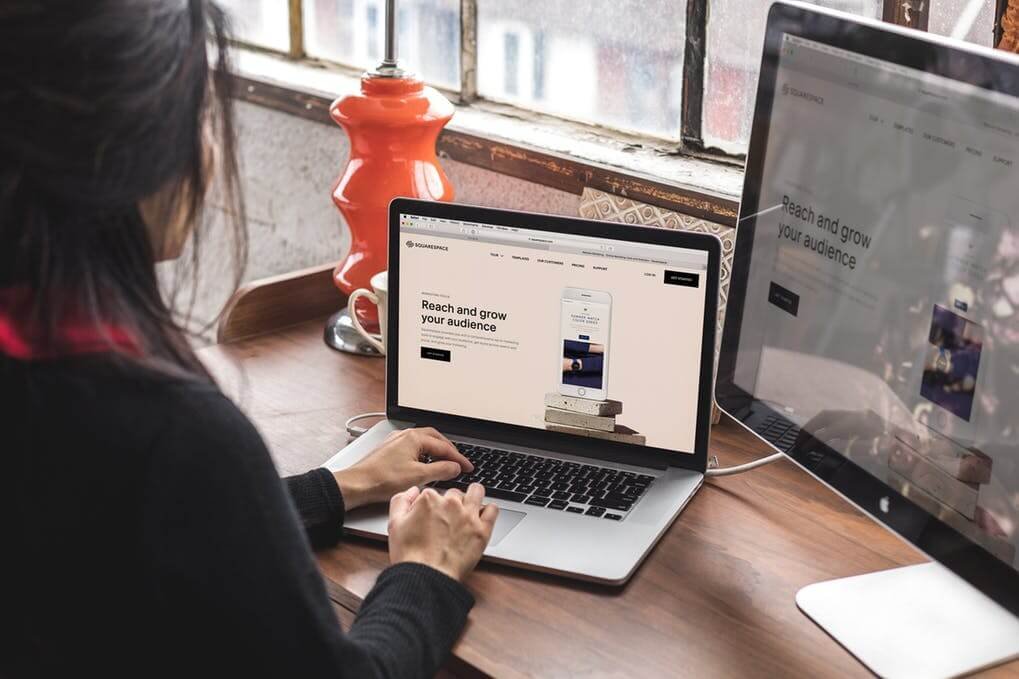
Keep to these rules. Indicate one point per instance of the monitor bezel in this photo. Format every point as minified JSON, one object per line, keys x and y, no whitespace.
{"x":609,"y":451}
{"x":969,"y":64}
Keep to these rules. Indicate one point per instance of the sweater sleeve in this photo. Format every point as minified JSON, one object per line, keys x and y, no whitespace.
{"x":231,"y":570}
{"x":319,"y":504}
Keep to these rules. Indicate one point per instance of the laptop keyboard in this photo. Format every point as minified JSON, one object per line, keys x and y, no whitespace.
{"x":549,"y":482}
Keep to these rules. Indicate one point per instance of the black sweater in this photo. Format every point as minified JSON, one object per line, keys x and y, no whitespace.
{"x":145,"y":532}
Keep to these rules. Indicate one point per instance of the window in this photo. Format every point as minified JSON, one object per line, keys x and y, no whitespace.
{"x":264,"y":23}
{"x":632,"y":65}
{"x":511,"y":64}
{"x":616,"y":63}
{"x":971,"y":20}
{"x":735,"y":38}
{"x":352,"y":32}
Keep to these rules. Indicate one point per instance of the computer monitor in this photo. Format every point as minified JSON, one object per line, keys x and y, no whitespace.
{"x":872,"y":330}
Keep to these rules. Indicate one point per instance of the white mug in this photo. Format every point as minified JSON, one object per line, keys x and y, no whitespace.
{"x":380,"y":298}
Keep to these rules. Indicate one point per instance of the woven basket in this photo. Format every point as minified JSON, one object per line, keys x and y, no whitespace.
{"x":1010,"y":28}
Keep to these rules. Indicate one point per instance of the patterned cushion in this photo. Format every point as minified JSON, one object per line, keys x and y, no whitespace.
{"x":608,"y":207}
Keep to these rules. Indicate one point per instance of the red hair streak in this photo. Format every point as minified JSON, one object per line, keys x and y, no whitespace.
{"x":22,"y":339}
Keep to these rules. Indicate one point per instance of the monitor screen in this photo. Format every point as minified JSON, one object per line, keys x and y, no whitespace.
{"x":882,"y":299}
{"x":586,"y":336}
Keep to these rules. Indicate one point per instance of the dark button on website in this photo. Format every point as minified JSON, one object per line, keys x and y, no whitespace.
{"x":686,"y":279}
{"x":786,"y":300}
{"x":436,"y":354}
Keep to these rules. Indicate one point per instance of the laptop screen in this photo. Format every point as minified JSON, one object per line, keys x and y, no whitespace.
{"x":883,"y":290}
{"x":585,"y":336}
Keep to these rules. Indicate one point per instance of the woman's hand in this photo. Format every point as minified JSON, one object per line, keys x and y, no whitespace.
{"x":447,"y":532}
{"x":397,"y":464}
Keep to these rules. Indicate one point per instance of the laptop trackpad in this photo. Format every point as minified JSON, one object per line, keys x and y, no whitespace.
{"x":507,"y":521}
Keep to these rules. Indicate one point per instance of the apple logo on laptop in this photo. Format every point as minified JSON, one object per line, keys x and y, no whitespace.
{"x":885,"y":504}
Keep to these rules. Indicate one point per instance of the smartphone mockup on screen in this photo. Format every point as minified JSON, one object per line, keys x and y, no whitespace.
{"x":584,"y":343}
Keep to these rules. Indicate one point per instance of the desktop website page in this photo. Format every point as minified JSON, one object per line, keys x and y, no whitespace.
{"x":590,"y":337}
{"x":883,"y":301}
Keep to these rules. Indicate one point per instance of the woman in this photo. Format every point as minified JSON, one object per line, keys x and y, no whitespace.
{"x":144,"y":529}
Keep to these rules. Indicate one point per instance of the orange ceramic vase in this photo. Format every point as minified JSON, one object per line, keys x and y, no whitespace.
{"x":393,"y":124}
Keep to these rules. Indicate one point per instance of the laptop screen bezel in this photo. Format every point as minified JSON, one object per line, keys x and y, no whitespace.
{"x":915,"y":50}
{"x":609,"y":451}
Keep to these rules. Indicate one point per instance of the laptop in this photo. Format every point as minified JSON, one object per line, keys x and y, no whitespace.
{"x":570,"y":360}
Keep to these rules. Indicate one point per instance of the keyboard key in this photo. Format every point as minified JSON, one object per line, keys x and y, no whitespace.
{"x":581,"y":499}
{"x":595,"y":511}
{"x":446,"y":485}
{"x":557,"y":504}
{"x":536,"y":501}
{"x":611,"y":504}
{"x":500,"y":494}
{"x":561,"y":495}
{"x":575,"y":510}
{"x":614,"y":517}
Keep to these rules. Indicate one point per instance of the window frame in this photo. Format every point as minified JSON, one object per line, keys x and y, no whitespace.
{"x":690,"y":140}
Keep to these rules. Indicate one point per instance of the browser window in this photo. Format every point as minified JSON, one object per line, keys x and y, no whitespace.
{"x":884,"y":285}
{"x":591,"y":337}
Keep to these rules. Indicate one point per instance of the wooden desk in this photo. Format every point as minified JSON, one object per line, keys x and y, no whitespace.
{"x":714,"y":598}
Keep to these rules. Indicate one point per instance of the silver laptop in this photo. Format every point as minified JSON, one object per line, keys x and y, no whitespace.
{"x":570,"y":360}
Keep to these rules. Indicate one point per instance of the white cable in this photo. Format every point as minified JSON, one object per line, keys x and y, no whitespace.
{"x":740,"y":468}
{"x":353,"y":431}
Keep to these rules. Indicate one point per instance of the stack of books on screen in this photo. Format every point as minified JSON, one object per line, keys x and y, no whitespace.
{"x":587,"y":417}
{"x":946,"y":480}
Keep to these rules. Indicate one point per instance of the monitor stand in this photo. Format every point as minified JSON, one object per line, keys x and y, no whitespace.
{"x":916,"y":621}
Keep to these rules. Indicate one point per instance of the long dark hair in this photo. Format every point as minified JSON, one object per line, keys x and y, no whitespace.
{"x":104,"y":104}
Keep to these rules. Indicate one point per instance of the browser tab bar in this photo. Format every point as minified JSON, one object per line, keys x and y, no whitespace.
{"x":553,"y":242}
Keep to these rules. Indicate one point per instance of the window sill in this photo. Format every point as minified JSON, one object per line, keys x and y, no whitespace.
{"x":553,"y":152}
